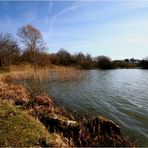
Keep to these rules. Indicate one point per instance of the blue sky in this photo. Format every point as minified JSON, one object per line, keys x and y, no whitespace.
{"x":118,"y":29}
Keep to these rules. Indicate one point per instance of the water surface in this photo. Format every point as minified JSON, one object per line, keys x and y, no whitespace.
{"x":120,"y":95}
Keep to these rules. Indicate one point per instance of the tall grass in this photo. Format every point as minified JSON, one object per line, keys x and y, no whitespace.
{"x":49,"y":73}
{"x":36,"y":78}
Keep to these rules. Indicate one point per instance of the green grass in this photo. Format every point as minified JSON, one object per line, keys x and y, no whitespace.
{"x":17,"y":128}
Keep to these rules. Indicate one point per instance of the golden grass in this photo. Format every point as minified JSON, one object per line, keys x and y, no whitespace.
{"x":34,"y":78}
{"x":24,"y":72}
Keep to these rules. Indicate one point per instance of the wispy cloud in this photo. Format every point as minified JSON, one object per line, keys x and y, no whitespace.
{"x":99,"y":27}
{"x":74,"y":6}
{"x":141,"y":40}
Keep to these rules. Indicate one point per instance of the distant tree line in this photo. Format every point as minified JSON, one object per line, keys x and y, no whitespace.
{"x":144,"y":63}
{"x":34,"y":51}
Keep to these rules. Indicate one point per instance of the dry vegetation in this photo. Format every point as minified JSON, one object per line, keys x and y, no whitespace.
{"x":48,"y":73}
{"x":14,"y":92}
{"x":24,"y":82}
{"x":37,"y":113}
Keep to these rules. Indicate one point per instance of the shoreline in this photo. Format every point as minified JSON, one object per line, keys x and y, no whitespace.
{"x":97,"y":131}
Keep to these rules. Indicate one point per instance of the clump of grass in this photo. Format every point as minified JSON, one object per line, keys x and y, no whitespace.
{"x":35,"y":87}
{"x":20,"y":129}
{"x":15,"y":92}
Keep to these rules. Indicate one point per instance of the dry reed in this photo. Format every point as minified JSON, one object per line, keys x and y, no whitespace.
{"x":50,"y":73}
{"x":35,"y":78}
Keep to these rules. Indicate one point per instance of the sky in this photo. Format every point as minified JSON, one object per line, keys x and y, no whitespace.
{"x":118,"y":29}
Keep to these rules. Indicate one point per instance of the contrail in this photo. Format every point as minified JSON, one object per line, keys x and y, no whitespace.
{"x":50,"y":6}
{"x":49,"y":11}
{"x":52,"y":21}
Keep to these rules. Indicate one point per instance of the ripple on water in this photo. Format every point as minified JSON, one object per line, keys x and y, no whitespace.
{"x":120,"y":95}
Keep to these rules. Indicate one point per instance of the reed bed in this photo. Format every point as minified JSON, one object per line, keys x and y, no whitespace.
{"x":35,"y":79}
{"x":25,"y":72}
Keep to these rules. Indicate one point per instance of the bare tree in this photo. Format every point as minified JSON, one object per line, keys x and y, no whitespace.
{"x":32,"y":40}
{"x":8,"y":49}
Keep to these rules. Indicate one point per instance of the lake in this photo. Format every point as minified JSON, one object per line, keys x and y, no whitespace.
{"x":120,"y":95}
